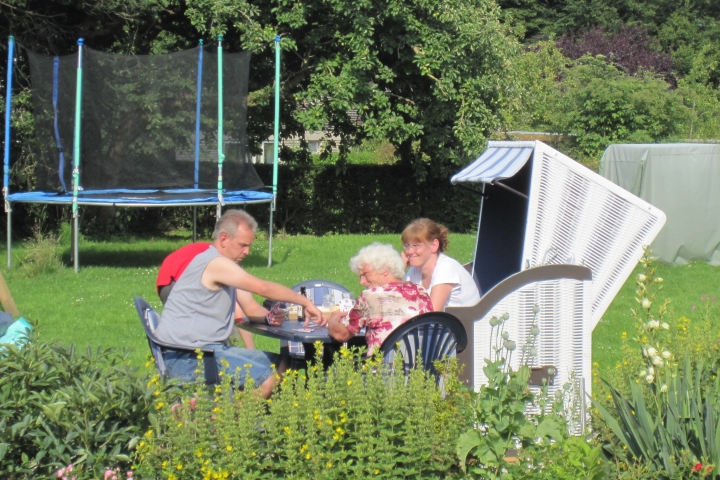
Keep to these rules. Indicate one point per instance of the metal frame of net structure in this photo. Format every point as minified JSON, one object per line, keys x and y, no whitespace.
{"x":137,"y":131}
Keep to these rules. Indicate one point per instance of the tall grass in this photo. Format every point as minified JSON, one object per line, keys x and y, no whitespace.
{"x":42,"y":255}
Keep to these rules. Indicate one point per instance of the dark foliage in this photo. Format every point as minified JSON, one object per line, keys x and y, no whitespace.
{"x":630,"y":48}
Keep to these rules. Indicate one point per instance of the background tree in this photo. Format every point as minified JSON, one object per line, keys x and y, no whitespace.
{"x":429,"y":76}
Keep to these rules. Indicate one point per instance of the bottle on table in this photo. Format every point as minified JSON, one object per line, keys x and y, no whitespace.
{"x":346,"y":303}
{"x":303,"y":292}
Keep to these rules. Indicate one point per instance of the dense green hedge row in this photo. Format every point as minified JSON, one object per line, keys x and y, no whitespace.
{"x":315,"y":199}
{"x":364,"y":199}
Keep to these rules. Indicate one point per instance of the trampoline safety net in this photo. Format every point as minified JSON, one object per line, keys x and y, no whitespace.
{"x":139,"y":120}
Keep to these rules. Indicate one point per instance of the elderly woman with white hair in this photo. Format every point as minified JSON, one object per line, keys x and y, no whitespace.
{"x":387,"y":301}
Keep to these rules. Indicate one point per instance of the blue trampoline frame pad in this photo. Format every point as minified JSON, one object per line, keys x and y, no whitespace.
{"x":144,"y":198}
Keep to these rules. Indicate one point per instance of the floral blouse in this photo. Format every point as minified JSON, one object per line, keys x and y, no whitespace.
{"x":382,"y":309}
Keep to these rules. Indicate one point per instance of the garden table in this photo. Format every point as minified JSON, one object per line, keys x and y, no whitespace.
{"x":288,"y":331}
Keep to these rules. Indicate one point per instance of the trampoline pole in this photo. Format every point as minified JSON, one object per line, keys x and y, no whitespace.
{"x":76,"y":154}
{"x":197,"y":114}
{"x":9,"y":236}
{"x":276,"y":140}
{"x":221,"y":156}
{"x":194,"y":224}
{"x":6,"y":159}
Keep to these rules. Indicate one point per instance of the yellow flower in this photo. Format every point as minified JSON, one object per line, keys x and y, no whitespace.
{"x":596,"y":364}
{"x":342,"y":402}
{"x":329,"y":465}
{"x":149,"y":433}
{"x":308,"y":456}
{"x":164,"y":464}
{"x":172,"y":477}
{"x":336,"y":437}
{"x":349,"y":382}
{"x":286,"y":430}
{"x":142,"y":444}
{"x":377,"y":471}
{"x":159,"y":405}
{"x":179,"y":466}
{"x":253,"y":454}
{"x":229,"y":448}
{"x":328,"y":421}
{"x":216,"y":410}
{"x":179,"y":424}
{"x":340,"y":431}
{"x":624,"y":335}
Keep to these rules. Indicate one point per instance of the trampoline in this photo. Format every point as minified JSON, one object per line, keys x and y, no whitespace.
{"x":137,"y":131}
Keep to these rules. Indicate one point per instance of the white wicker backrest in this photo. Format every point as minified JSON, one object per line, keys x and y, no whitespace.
{"x":576,"y":216}
{"x":564,"y":341}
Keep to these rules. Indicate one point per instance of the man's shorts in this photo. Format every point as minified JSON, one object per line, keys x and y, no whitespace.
{"x":241,"y":362}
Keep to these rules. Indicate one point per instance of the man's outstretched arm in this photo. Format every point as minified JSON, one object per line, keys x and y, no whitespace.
{"x":223,"y":271}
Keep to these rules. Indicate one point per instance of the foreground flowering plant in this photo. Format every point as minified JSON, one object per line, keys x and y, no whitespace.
{"x":652,"y":331}
{"x":669,"y":421}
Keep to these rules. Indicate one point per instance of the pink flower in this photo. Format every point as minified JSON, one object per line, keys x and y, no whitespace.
{"x":697,"y":467}
{"x":130,"y":474}
{"x":60,"y":473}
{"x":108,"y":473}
{"x":193,"y":403}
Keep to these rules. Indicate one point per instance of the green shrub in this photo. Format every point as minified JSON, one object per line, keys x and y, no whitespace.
{"x":359,"y":419}
{"x":60,"y":407}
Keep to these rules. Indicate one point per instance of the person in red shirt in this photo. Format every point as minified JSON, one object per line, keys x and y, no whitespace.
{"x":172,"y":268}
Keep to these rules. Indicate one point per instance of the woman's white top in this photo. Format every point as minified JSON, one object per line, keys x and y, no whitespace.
{"x":448,"y":270}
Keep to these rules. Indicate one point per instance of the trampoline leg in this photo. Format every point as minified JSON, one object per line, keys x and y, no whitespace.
{"x":194,"y":224}
{"x":76,"y":261}
{"x":9,"y":235}
{"x":218,"y":213}
{"x":270,"y":232}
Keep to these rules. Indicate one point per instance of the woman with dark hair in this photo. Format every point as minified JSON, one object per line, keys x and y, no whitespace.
{"x":449,"y":284}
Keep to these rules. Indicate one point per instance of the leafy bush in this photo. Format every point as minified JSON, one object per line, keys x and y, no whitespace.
{"x":59,"y":407}
{"x":359,"y":419}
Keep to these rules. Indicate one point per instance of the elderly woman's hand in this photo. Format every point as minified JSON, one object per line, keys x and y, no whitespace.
{"x":337,"y":315}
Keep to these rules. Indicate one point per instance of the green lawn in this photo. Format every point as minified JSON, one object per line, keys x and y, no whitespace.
{"x":95,"y":307}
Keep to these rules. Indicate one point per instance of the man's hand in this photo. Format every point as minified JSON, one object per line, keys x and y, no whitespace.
{"x":275,"y":317}
{"x":312,"y":311}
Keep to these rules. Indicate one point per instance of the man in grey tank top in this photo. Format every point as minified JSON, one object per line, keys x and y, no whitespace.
{"x":199,"y":310}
